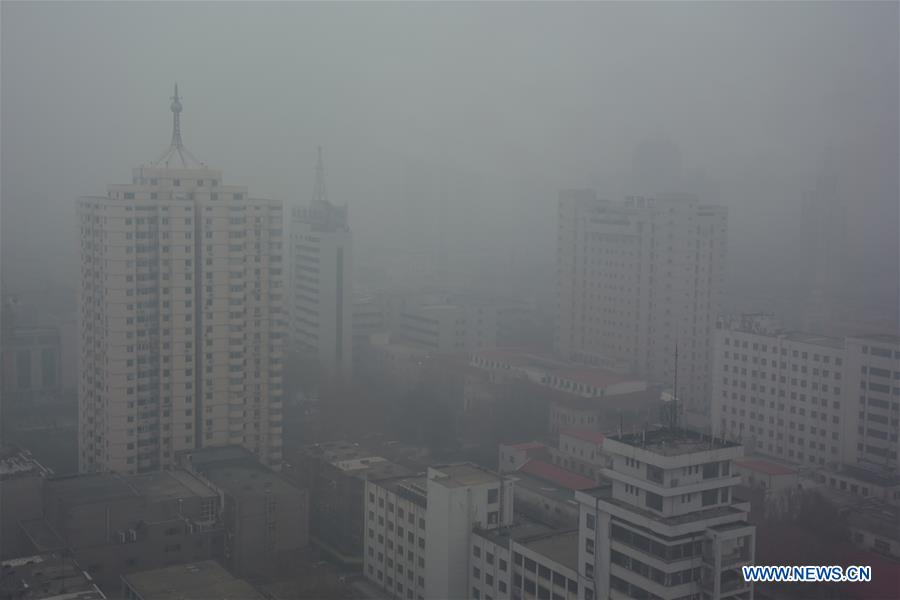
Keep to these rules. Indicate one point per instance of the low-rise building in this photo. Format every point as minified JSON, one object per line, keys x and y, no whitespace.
{"x":772,"y":477}
{"x":667,"y":526}
{"x":418,"y":529}
{"x":581,"y":450}
{"x":21,"y":495}
{"x":264,"y":517}
{"x":47,"y":577}
{"x":335,"y":474}
{"x":626,"y":411}
{"x":526,"y":560}
{"x":205,"y":579}
{"x":114,"y":524}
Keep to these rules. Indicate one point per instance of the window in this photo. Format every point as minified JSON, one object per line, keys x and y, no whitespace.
{"x":476,"y":551}
{"x":653,"y":501}
{"x":493,"y":495}
{"x":590,"y":521}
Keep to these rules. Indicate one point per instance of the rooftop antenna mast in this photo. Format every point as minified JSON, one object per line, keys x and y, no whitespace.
{"x":674,"y":417}
{"x":176,"y":121}
{"x":319,"y":193}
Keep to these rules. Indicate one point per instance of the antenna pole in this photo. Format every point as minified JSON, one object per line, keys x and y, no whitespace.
{"x":675,"y":392}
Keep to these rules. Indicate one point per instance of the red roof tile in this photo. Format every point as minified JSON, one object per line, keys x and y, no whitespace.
{"x":527,"y":445}
{"x":593,"y":377}
{"x":764,"y":466}
{"x":585,"y":435}
{"x":563,"y":477}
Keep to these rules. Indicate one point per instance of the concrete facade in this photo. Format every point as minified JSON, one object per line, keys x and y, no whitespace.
{"x":635,"y":280}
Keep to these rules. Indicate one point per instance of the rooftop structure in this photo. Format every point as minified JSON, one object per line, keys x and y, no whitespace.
{"x":672,"y":442}
{"x":206,"y":579}
{"x":46,"y":577}
{"x":16,"y":462}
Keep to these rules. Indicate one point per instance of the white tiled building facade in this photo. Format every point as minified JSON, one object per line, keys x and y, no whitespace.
{"x":810,"y":399}
{"x":181,"y":317}
{"x":637,"y":278}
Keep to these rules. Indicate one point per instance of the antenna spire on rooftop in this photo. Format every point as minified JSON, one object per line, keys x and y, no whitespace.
{"x":319,"y":193}
{"x":176,"y":120}
{"x":176,"y":148}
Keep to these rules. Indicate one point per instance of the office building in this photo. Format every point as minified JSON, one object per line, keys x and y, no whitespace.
{"x":182,"y":322}
{"x":419,"y":529}
{"x":821,"y":401}
{"x":638,"y":280}
{"x":668,"y":525}
{"x":781,"y":393}
{"x":322,"y":281}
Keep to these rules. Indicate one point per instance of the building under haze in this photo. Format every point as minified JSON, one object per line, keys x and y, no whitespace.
{"x":182,"y":323}
{"x":638,"y":280}
{"x":821,"y":401}
{"x":668,"y":526}
{"x":322,"y":304}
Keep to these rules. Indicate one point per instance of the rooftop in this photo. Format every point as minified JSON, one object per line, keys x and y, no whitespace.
{"x":239,"y":480}
{"x":543,"y":487}
{"x":557,"y":475}
{"x":199,"y":580}
{"x":527,"y":445}
{"x":880,"y":478}
{"x":559,"y":547}
{"x":46,"y":577}
{"x":815,"y":339}
{"x":411,"y":488}
{"x":585,"y":435}
{"x":597,"y":378}
{"x":766,"y":467}
{"x":884,"y":338}
{"x":522,"y":529}
{"x":461,"y":475}
{"x":673,"y":442}
{"x":15,"y":462}
{"x":104,"y":487}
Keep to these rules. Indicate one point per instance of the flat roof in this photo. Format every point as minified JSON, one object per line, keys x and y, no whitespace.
{"x":240,"y":480}
{"x":206,"y":579}
{"x":814,"y":339}
{"x":463,"y":474}
{"x":673,"y":442}
{"x":46,"y":577}
{"x":547,"y":471}
{"x":15,"y":462}
{"x":880,"y":478}
{"x":523,"y":528}
{"x":543,"y":487}
{"x":561,"y":547}
{"x":105,"y":487}
{"x":765,"y":466}
{"x":526,"y":445}
{"x":885,"y":338}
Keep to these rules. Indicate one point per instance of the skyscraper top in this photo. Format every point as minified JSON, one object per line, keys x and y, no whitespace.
{"x":320,"y":196}
{"x":176,"y":155}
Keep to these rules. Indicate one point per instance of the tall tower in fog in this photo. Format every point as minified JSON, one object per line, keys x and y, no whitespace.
{"x":322,"y":305}
{"x":638,"y":279}
{"x":182,"y":322}
{"x":824,"y":234}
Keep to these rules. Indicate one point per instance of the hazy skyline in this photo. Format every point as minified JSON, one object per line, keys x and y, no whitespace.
{"x":529,"y":97}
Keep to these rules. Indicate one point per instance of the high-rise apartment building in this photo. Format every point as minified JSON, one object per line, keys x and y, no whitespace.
{"x":638,"y":280}
{"x":668,"y":526}
{"x":322,"y":284}
{"x":812,"y":399}
{"x":181,"y":316}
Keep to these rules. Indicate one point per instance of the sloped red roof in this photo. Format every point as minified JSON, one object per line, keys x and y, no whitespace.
{"x":563,"y":477}
{"x":585,"y":435}
{"x":527,"y":445}
{"x":593,"y":377}
{"x":764,"y":466}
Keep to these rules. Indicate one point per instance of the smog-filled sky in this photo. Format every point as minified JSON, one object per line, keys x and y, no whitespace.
{"x":508,"y":102}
